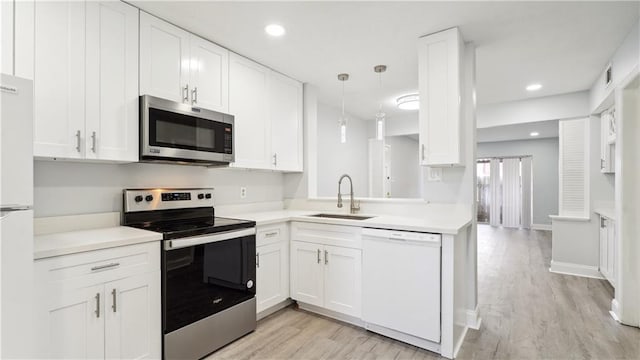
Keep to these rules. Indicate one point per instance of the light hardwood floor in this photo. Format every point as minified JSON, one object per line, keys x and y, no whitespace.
{"x":527,"y":312}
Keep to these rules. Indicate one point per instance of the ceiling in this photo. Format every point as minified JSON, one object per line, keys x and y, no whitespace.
{"x":562,"y":45}
{"x":545,"y":129}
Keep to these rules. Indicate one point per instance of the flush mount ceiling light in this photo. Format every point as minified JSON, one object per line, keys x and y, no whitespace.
{"x":534,"y":133}
{"x":409,"y":102}
{"x":274,"y":30}
{"x":342,"y":122}
{"x":534,"y":87}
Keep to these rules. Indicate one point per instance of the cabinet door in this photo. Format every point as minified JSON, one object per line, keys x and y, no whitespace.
{"x":604,"y":247}
{"x":611,"y":251}
{"x":75,"y":323}
{"x":248,"y":103}
{"x":285,"y":110}
{"x":343,"y":280}
{"x":112,"y":81}
{"x":273,"y":274}
{"x":164,"y":59}
{"x":439,"y":85}
{"x":132,"y":312}
{"x":59,"y":79}
{"x":209,"y":75}
{"x":307,"y":273}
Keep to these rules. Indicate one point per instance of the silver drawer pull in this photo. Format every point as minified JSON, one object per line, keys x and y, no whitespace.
{"x":102,"y":267}
{"x":271,"y":234}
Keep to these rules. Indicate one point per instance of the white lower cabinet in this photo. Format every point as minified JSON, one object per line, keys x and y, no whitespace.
{"x":100,"y":304}
{"x":608,"y":249}
{"x":272,"y":263}
{"x":327,"y":276}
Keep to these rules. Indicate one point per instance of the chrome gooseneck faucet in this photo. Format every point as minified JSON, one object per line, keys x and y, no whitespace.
{"x":354,"y":206}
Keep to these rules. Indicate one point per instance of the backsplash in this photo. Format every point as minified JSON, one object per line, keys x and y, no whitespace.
{"x":67,"y":188}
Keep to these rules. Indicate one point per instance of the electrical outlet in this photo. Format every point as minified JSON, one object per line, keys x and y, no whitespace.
{"x":243,"y":192}
{"x":434,"y":174}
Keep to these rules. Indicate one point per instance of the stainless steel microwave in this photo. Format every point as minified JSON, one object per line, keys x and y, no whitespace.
{"x":179,"y":133}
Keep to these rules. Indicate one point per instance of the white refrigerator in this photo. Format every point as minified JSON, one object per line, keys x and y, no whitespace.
{"x":16,"y":217}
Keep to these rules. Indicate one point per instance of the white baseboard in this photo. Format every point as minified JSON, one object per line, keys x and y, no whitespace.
{"x":474,"y":321}
{"x":575,"y":269}
{"x":546,"y":227}
{"x":456,"y":349}
{"x":615,"y":310}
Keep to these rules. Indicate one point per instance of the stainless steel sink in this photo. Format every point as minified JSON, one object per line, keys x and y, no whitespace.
{"x":343,"y":216}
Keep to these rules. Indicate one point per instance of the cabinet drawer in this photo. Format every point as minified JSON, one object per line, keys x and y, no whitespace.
{"x":335,"y":235}
{"x":272,"y":234}
{"x":84,"y":269}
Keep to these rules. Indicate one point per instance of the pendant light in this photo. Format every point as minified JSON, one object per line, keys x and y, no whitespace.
{"x":380,"y":115}
{"x":342,"y":122}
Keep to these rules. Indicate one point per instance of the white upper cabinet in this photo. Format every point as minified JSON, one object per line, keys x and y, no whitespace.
{"x":268,"y":116}
{"x":285,"y":112}
{"x":85,"y":71}
{"x":439,"y":78}
{"x":111,"y":91}
{"x":164,"y":59}
{"x":6,"y":37}
{"x":248,"y":103}
{"x":179,"y":66}
{"x":59,"y":79}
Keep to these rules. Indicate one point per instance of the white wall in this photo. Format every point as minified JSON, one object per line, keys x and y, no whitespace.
{"x":402,"y":124}
{"x":625,"y":58}
{"x":405,"y":167}
{"x":565,"y":106}
{"x":63,"y":188}
{"x":545,"y":171}
{"x":335,"y":158}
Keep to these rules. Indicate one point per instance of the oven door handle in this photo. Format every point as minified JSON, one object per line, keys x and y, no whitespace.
{"x":192,"y":241}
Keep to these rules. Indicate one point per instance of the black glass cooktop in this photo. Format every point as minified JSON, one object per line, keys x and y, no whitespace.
{"x":174,"y":224}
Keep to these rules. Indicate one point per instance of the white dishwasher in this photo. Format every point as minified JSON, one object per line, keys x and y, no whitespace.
{"x":401,"y":283}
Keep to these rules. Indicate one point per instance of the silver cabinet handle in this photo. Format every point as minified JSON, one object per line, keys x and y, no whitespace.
{"x":113,"y":295}
{"x":102,"y":267}
{"x":271,"y":234}
{"x":194,"y":95}
{"x":318,"y":256}
{"x":257,"y":259}
{"x":326,"y":257}
{"x":601,"y":164}
{"x":97,"y":305}
{"x":78,"y":141}
{"x":275,"y":159}
{"x":93,"y":142}
{"x":422,"y":152}
{"x":185,"y":93}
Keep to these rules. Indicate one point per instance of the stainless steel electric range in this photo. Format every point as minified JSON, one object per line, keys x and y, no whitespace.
{"x":208,"y":269}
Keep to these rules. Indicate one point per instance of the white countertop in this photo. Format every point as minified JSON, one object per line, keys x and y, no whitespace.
{"x":609,"y":213}
{"x":444,"y":224}
{"x":65,"y":243}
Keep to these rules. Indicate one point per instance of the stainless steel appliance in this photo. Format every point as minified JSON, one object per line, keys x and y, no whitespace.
{"x":16,"y":218}
{"x":181,"y":133}
{"x":208,"y":269}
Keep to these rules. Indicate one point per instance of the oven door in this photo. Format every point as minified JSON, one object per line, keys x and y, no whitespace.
{"x":179,"y":132}
{"x":205,"y":275}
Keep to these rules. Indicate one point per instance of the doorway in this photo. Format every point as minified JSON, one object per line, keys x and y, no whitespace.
{"x":504,"y":191}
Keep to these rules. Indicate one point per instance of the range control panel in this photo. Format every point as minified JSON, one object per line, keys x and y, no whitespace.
{"x":163,"y":199}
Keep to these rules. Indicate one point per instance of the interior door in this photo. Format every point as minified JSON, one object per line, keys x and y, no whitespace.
{"x":76,"y":323}
{"x":307,"y":273}
{"x":342,"y":280}
{"x":59,"y":79}
{"x":112,"y":81}
{"x":209,"y":75}
{"x":133,"y":318}
{"x":164,"y":59}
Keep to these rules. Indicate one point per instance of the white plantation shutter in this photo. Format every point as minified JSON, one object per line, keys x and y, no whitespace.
{"x":511,"y":193}
{"x":527,"y":189}
{"x":495,"y":201}
{"x":574,"y":168}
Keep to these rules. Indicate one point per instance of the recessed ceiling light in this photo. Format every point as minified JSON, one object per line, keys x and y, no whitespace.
{"x":274,"y":30}
{"x":534,"y":133}
{"x":534,"y":87}
{"x":408,"y":102}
